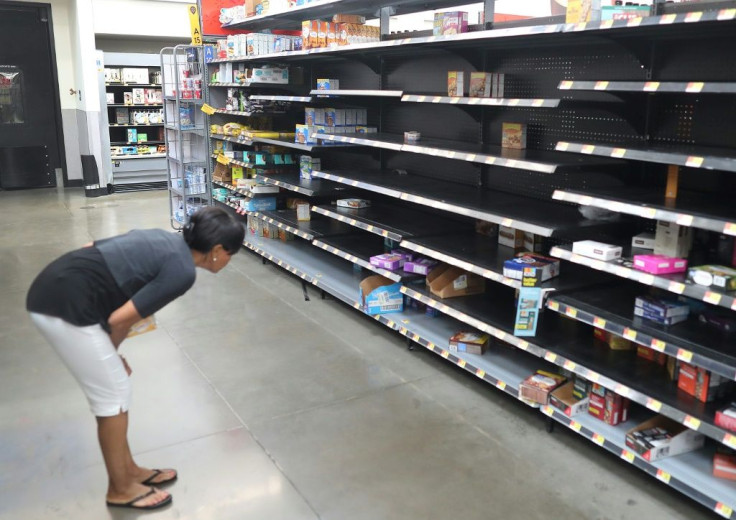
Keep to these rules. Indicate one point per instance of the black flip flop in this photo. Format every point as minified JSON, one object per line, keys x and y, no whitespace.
{"x":130,"y":505}
{"x":156,"y":472}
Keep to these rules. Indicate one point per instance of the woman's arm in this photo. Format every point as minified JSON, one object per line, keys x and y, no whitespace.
{"x":121,"y":320}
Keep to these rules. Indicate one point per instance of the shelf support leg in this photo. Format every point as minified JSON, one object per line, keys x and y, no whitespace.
{"x":263,"y":260}
{"x":304,"y":291}
{"x":385,"y":14}
{"x":549,"y":424}
{"x":409,"y":343}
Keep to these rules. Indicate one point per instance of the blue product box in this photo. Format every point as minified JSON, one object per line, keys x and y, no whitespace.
{"x":261,"y":204}
{"x":380,"y":295}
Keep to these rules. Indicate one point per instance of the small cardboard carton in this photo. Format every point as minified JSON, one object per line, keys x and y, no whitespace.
{"x":480,"y":84}
{"x":449,"y":282}
{"x":142,"y":326}
{"x":422,"y":266}
{"x":387,"y":261}
{"x":660,"y":264}
{"x":380,"y":295}
{"x":672,"y":239}
{"x":643,"y":241}
{"x":701,"y":383}
{"x":546,"y":267}
{"x":513,"y":135}
{"x":662,"y":437}
{"x":510,"y":237}
{"x":222,"y":173}
{"x":537,"y":387}
{"x":456,"y":83}
{"x":470,"y":342}
{"x":607,"y":405}
{"x":597,"y":250}
{"x":713,"y":276}
{"x":726,"y":418}
{"x":563,"y":399}
{"x":724,"y":464}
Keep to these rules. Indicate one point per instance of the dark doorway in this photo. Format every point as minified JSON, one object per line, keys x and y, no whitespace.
{"x":31,"y":139}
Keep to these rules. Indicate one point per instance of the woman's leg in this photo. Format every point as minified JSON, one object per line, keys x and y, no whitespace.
{"x":93,"y":360}
{"x":123,"y":484}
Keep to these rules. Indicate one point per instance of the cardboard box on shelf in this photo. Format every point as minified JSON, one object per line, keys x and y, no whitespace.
{"x":701,"y":383}
{"x":661,"y":311}
{"x":672,"y":239}
{"x":597,"y":250}
{"x":607,"y":405}
{"x":513,"y":135}
{"x":480,"y":84}
{"x":581,"y":387}
{"x":510,"y":237}
{"x":498,"y":82}
{"x":718,"y":276}
{"x":387,"y":261}
{"x":533,"y":243}
{"x":726,"y":418}
{"x":546,"y":267}
{"x":470,"y":342}
{"x":302,"y":212}
{"x":613,"y":341}
{"x":580,"y":11}
{"x":624,"y":12}
{"x":449,"y":282}
{"x":563,"y":399}
{"x":260,"y":204}
{"x":328,"y":84}
{"x":643,"y":241}
{"x":660,"y":264}
{"x":456,"y":83}
{"x":538,"y":387}
{"x":136,"y":75}
{"x":651,"y":355}
{"x":454,"y":22}
{"x":348,"y":18}
{"x":662,"y":437}
{"x":422,"y":266}
{"x":222,"y":173}
{"x":673,"y":368}
{"x":724,"y":463}
{"x":353,"y":203}
{"x":380,"y":295}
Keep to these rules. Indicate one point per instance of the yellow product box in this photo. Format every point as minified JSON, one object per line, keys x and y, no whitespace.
{"x":237,"y":173}
{"x":513,"y":136}
{"x":349,"y":18}
{"x":455,"y":83}
{"x":579,"y":11}
{"x":480,"y":84}
{"x":323,"y":27}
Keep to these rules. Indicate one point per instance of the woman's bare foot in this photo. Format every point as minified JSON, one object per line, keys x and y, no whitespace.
{"x":147,"y":499}
{"x":155,"y":477}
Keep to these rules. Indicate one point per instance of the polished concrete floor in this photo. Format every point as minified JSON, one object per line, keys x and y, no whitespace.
{"x":272,"y":407}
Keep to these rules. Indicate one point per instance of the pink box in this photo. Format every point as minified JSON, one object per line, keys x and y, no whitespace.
{"x":420,"y":266}
{"x":390,"y":262}
{"x":659,"y":264}
{"x":454,"y":22}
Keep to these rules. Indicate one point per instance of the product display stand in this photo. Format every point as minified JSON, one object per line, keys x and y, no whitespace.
{"x":615,"y":110}
{"x":135,"y":121}
{"x":185,"y":126}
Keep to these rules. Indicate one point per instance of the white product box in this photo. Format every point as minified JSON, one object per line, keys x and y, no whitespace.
{"x":135,"y":75}
{"x":597,"y":250}
{"x":643,"y":241}
{"x":673,"y":240}
{"x":225,"y":74}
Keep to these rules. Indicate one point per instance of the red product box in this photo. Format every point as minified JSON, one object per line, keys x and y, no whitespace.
{"x":724,"y":465}
{"x":726,"y":418}
{"x":610,"y":408}
{"x":651,"y":355}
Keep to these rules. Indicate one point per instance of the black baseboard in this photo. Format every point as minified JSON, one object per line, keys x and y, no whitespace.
{"x":74,"y":183}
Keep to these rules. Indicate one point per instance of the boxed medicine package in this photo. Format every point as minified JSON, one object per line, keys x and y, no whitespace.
{"x":448,"y":282}
{"x":538,"y":387}
{"x":564,"y":399}
{"x":470,"y":342}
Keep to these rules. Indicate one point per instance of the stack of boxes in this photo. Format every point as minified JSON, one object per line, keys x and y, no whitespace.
{"x":344,"y":29}
{"x":332,"y":121}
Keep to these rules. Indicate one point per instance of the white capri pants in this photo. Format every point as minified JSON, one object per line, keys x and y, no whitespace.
{"x":93,"y":360}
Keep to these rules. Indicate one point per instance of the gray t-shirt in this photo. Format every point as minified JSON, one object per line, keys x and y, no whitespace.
{"x":151,"y":266}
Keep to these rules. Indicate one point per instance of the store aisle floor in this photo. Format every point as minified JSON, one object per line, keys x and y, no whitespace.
{"x":273,"y":407}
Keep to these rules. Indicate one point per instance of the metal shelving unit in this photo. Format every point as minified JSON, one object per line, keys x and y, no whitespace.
{"x":611,"y":310}
{"x":186,"y":143}
{"x":532,"y":215}
{"x":675,"y":283}
{"x":681,"y":155}
{"x":689,"y":209}
{"x":532,"y":160}
{"x":504,"y":369}
{"x":426,"y":195}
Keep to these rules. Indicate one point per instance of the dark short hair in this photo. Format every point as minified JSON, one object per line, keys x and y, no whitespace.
{"x":211,"y":226}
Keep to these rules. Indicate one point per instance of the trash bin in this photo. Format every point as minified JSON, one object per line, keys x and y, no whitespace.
{"x":91,"y":177}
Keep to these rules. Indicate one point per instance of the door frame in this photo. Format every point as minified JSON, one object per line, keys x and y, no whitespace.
{"x":61,"y":145}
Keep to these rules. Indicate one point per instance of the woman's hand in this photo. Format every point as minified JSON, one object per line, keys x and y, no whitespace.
{"x":126,"y":365}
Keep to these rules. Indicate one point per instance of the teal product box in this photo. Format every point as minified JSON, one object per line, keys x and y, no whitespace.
{"x":132,"y":135}
{"x":380,"y":295}
{"x":261,"y":204}
{"x":624,"y":12}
